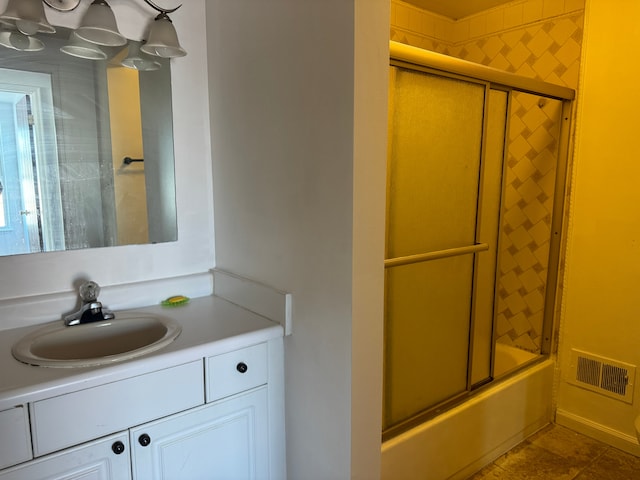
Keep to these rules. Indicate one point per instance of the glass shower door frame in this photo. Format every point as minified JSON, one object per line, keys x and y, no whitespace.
{"x":474,"y":248}
{"x":431,"y":63}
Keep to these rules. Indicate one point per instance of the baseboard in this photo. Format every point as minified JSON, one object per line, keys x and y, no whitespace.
{"x":622,"y":441}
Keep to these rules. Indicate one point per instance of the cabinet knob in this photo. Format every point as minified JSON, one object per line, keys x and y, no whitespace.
{"x":242,"y":367}
{"x":117,"y":447}
{"x":144,"y":439}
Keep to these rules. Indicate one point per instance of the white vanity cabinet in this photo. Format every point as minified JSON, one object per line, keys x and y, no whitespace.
{"x":104,"y":459}
{"x":224,"y":440}
{"x":77,"y":417}
{"x":215,"y":417}
{"x":15,"y":441}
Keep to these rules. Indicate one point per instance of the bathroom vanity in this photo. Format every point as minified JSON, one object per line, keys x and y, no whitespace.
{"x":208,"y":405}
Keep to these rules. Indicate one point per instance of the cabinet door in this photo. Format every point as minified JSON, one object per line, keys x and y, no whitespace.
{"x":105,"y":459}
{"x":15,"y":442}
{"x":225,"y":440}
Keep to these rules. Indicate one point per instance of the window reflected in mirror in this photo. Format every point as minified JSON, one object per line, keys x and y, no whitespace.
{"x":3,"y":218}
{"x":86,"y":150}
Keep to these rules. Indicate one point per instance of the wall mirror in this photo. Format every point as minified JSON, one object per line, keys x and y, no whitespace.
{"x":86,"y":148}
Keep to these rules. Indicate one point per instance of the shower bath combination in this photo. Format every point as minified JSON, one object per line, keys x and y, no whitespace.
{"x":475,"y":192}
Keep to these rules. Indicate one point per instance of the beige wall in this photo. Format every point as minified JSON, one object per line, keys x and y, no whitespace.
{"x":126,"y":141}
{"x":602,"y":307}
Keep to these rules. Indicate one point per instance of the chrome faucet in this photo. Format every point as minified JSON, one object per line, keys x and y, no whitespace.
{"x":91,"y":310}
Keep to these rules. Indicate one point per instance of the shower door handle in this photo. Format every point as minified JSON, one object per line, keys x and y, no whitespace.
{"x":423,"y":257}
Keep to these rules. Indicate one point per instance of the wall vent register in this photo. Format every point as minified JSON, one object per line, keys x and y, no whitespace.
{"x":602,"y":375}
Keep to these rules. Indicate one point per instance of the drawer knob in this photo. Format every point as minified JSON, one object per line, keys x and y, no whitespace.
{"x":144,"y":439}
{"x":242,"y":367}
{"x":117,"y":447}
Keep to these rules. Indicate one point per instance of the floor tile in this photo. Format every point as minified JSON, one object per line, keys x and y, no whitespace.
{"x":612,"y":465}
{"x":494,"y":472}
{"x":531,"y":462}
{"x":576,"y":448}
{"x":558,"y":453}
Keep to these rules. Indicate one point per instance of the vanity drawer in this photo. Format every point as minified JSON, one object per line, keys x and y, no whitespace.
{"x":236,"y":371}
{"x":15,"y":443}
{"x":77,"y":417}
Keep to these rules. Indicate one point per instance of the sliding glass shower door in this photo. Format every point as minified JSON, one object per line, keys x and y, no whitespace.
{"x":446,"y":144}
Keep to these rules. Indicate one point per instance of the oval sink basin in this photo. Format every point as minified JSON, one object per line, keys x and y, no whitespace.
{"x":98,"y":343}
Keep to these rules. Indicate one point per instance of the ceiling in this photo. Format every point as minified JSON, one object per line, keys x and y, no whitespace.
{"x":456,"y":9}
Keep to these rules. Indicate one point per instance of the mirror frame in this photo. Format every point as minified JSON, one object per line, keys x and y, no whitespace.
{"x":47,"y":273}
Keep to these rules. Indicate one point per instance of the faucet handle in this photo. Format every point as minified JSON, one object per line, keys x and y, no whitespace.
{"x":89,"y":291}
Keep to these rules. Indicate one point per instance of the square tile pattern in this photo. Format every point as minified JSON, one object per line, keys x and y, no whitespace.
{"x":527,"y":203}
{"x":545,"y":46}
{"x":535,"y":39}
{"x":558,"y":453}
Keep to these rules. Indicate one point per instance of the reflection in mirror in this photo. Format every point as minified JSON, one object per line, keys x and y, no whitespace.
{"x":86,"y":149}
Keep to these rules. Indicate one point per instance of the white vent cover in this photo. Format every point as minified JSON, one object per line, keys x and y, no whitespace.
{"x":602,"y":375}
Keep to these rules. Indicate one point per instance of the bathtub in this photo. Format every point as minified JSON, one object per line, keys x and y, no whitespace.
{"x":509,"y":358}
{"x":462,"y":440}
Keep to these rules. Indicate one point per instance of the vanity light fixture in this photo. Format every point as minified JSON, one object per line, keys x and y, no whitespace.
{"x":163,"y":39}
{"x":26,"y":16}
{"x":98,"y":28}
{"x":78,"y":47}
{"x":19,"y":41}
{"x":138,"y":60}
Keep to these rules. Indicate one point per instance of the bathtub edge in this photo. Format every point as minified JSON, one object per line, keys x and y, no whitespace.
{"x":461,"y":441}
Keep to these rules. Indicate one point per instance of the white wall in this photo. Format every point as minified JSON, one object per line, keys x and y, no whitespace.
{"x":37,"y":274}
{"x":299,"y":204}
{"x":369,"y":204}
{"x":298,"y":93}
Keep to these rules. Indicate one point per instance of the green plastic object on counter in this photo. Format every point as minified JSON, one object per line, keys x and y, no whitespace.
{"x":175,"y":301}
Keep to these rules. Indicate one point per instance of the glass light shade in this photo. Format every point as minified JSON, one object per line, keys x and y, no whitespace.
{"x":99,"y":26}
{"x":163,"y":39}
{"x":139,"y":60}
{"x":63,"y":5}
{"x":20,"y":41}
{"x":77,"y":47}
{"x":27,"y":16}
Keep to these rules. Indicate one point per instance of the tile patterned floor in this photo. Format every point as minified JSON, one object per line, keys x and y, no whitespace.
{"x":557,"y":453}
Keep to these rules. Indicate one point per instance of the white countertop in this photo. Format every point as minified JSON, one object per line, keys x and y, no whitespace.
{"x":210,"y":326}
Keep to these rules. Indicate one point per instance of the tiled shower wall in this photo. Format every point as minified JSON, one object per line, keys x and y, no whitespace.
{"x":525,"y":233}
{"x":534,"y":38}
{"x":538,"y":39}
